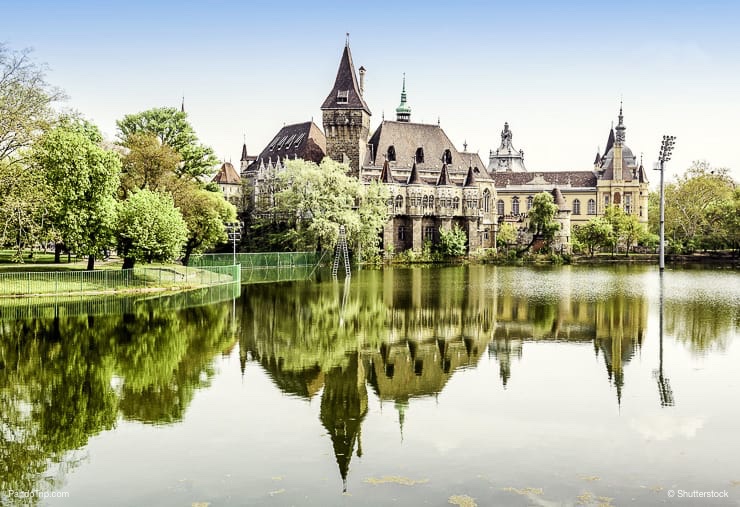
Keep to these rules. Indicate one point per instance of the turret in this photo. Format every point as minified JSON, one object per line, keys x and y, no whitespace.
{"x":403,"y":111}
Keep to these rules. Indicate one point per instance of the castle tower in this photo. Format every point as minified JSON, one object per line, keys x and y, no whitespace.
{"x":619,"y":138}
{"x":346,"y":117}
{"x":403,"y":111}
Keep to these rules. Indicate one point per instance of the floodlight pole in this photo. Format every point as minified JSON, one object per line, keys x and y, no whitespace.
{"x":666,"y":148}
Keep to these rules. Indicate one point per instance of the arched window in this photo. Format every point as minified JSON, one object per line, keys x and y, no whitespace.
{"x":419,"y":155}
{"x":591,"y":207}
{"x":425,"y":201}
{"x":391,"y":153}
{"x":530,"y":200}
{"x":447,"y":157}
{"x":486,"y":201}
{"x":500,"y":208}
{"x":515,"y":205}
{"x":576,"y":207}
{"x":399,"y":202}
{"x":456,"y":203}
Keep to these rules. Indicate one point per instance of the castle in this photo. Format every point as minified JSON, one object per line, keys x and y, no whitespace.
{"x":434,"y":186}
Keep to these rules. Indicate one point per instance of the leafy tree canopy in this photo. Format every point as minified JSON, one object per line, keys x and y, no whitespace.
{"x":172,"y":128}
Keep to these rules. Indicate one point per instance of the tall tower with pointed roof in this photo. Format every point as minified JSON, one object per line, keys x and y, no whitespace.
{"x":403,"y":111}
{"x":346,"y":117}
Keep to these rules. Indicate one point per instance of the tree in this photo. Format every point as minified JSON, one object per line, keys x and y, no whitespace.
{"x":689,"y":202}
{"x":314,"y":200}
{"x":594,"y":233}
{"x":373,"y":214}
{"x":507,"y":235}
{"x":205,"y":214}
{"x":147,"y":164}
{"x":542,"y":222}
{"x":25,"y":103}
{"x":24,"y":207}
{"x":452,"y":242}
{"x":84,"y":178}
{"x":172,"y":129}
{"x":149,"y":228}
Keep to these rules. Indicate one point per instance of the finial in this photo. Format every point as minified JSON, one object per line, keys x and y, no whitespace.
{"x":640,"y":158}
{"x":465,"y":145}
{"x":382,"y":116}
{"x":182,"y":106}
{"x":438,"y":121}
{"x":404,"y":83}
{"x":245,"y":138}
{"x":347,"y":41}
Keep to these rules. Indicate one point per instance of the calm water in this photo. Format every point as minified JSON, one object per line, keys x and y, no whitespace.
{"x":502,"y":386}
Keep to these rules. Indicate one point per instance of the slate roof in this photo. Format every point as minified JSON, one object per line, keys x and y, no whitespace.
{"x":227,"y":175}
{"x":346,"y":81}
{"x":470,"y":178}
{"x":577,"y":179}
{"x":559,"y":200}
{"x":300,"y":140}
{"x":444,"y":177}
{"x":629,"y":165}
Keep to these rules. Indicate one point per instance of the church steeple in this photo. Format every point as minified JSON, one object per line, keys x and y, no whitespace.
{"x":403,"y":111}
{"x":345,"y":94}
{"x":620,"y":129}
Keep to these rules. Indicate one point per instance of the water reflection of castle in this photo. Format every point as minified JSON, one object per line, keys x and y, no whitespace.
{"x":405,"y":333}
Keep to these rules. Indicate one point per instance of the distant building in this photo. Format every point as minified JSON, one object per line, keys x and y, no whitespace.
{"x":230,"y":183}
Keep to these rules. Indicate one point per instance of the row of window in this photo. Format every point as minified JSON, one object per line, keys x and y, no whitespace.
{"x":285,"y":142}
{"x":515,"y":209}
{"x":418,"y":156}
{"x":428,"y":201}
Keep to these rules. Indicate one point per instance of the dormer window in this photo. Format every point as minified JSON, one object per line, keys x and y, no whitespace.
{"x":280,"y":144}
{"x":447,"y":157}
{"x":298,"y":141}
{"x":343,"y":97}
{"x":419,"y":155}
{"x":274,"y":142}
{"x":391,"y":153}
{"x":290,"y":141}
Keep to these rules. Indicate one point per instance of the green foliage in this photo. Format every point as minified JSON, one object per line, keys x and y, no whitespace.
{"x":172,"y":129}
{"x":700,"y":209}
{"x":452,"y":242}
{"x":148,"y":164}
{"x":84,"y":178}
{"x":149,"y":228}
{"x":205,"y":214}
{"x":373,"y":214}
{"x":594,"y":233}
{"x":506,"y":236}
{"x":626,"y":229}
{"x":25,"y":103}
{"x":542,"y":216}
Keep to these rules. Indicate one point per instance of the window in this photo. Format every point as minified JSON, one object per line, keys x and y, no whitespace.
{"x":402,"y":232}
{"x":486,"y":201}
{"x":628,"y":203}
{"x":342,"y":97}
{"x":280,"y":144}
{"x":274,"y":142}
{"x":606,"y":200}
{"x":399,"y":202}
{"x":391,"y":153}
{"x":419,"y":157}
{"x":591,"y":207}
{"x":447,"y":157}
{"x":298,"y":141}
{"x":500,"y":207}
{"x":429,"y":233}
{"x":425,"y":201}
{"x":515,"y":205}
{"x":576,"y":207}
{"x":456,"y":203}
{"x":530,"y":200}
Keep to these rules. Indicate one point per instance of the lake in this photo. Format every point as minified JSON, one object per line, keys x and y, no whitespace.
{"x":466,"y":385}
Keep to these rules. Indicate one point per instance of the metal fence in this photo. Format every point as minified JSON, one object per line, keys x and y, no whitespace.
{"x":264,"y":260}
{"x":102,"y":281}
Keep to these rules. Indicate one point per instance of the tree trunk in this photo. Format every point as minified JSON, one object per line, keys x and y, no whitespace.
{"x":186,"y":257}
{"x":128,"y":262}
{"x":90,"y":262}
{"x":57,"y":253}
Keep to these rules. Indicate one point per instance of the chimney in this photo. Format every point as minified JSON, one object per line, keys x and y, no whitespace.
{"x":362,"y":80}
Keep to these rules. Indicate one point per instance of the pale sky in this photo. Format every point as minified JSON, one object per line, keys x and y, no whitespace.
{"x":554,"y":70}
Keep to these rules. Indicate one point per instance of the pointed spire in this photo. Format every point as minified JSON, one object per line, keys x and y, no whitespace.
{"x":414,"y":176}
{"x":444,"y":176}
{"x":620,"y":129}
{"x":470,"y":178}
{"x":609,"y":141}
{"x":403,"y":111}
{"x":244,"y":150}
{"x":182,"y":106}
{"x":385,"y":173}
{"x":345,"y":94}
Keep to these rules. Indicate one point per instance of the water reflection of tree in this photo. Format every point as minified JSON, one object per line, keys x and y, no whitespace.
{"x":56,"y":382}
{"x":702,"y":325}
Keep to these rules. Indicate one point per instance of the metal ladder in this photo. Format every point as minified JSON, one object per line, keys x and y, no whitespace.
{"x":341,"y":250}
